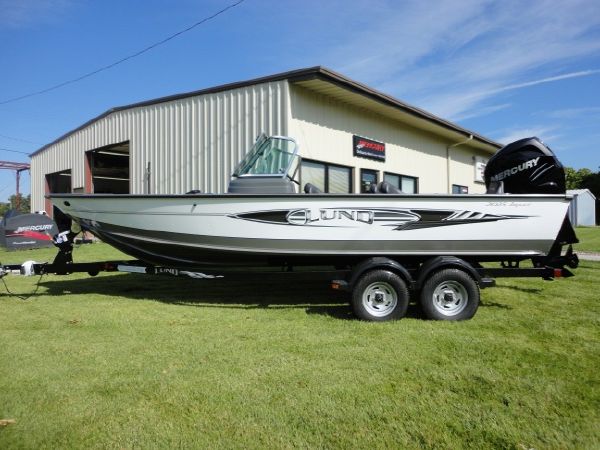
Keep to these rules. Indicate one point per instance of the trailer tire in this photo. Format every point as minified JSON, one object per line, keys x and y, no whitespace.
{"x":450,"y":294}
{"x":380,"y":295}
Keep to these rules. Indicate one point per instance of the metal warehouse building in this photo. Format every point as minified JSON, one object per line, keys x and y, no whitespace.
{"x":349,"y":136}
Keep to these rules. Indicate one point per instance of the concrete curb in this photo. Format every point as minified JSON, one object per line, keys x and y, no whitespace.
{"x":588,"y":256}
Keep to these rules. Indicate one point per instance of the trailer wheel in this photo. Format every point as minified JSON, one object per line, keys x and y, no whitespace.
{"x":450,"y":294}
{"x":380,"y":295}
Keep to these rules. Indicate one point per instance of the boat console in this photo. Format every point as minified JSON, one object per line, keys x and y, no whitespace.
{"x":270,"y":167}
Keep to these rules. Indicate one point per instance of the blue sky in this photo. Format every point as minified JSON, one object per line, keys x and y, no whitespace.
{"x":505,"y":69}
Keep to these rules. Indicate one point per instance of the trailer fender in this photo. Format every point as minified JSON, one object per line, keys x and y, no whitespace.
{"x":444,"y":262}
{"x":380,"y":262}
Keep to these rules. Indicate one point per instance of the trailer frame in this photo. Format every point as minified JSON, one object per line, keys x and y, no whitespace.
{"x":391,"y":281}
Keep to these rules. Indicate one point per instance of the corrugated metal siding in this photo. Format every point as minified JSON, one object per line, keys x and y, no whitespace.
{"x":191,"y":143}
{"x":401,"y":114}
{"x":324,"y":125}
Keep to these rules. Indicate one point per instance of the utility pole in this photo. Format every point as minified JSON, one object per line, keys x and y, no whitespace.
{"x":18,"y":168}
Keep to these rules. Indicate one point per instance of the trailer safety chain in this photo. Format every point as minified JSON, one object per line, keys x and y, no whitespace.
{"x":23,"y":297}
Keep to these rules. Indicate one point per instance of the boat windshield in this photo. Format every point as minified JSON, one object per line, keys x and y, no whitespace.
{"x":269,"y":156}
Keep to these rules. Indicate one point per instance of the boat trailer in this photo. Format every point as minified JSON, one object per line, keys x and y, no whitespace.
{"x":447,"y":287}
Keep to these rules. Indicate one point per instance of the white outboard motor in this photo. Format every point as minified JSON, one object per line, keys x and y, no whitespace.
{"x":526,"y":166}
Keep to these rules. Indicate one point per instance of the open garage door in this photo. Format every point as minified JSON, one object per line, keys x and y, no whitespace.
{"x":58,"y":183}
{"x":107,"y":169}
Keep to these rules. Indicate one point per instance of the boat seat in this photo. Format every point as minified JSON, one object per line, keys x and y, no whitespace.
{"x":310,"y":188}
{"x":495,"y":187}
{"x":373,"y":189}
{"x":387,"y":188}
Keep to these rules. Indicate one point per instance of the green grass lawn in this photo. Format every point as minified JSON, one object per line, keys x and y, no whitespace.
{"x":126,"y":360}
{"x":589,"y":238}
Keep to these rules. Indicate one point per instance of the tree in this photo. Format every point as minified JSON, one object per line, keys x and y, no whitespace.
{"x":3,"y":208}
{"x":24,"y":203}
{"x":574,"y":177}
{"x":592,"y":182}
{"x":583,"y":179}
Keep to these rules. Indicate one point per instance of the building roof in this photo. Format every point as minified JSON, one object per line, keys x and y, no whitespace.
{"x":328,"y":82}
{"x":581,"y":191}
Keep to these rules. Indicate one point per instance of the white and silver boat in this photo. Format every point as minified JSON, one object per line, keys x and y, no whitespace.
{"x":264,"y":220}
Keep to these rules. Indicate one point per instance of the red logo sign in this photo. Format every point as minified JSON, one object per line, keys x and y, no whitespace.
{"x":368,"y":148}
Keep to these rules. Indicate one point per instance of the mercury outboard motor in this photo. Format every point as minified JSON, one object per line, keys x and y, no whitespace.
{"x":526,"y":166}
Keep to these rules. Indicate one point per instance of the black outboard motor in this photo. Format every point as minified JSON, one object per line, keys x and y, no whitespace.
{"x":526,"y":166}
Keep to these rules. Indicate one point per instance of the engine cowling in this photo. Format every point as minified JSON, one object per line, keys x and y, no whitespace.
{"x":526,"y":166}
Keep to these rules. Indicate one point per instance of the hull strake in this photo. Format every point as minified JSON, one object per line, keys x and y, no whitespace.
{"x":183,"y":249}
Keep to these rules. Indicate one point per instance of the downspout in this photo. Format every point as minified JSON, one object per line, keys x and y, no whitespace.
{"x":147,"y":177}
{"x":448,"y":185}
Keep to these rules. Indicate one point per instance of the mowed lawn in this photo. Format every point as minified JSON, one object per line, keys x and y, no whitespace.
{"x":277,"y":361}
{"x":589,"y":238}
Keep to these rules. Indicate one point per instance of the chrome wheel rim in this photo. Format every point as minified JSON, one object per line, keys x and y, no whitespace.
{"x":379,"y":299}
{"x":450,"y":298}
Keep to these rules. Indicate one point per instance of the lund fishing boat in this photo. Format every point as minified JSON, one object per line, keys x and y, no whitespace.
{"x":391,"y":246}
{"x":262,"y":219}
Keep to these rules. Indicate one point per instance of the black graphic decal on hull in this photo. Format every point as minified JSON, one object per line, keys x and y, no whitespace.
{"x":401,"y":219}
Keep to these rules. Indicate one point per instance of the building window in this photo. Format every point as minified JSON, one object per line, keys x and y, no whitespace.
{"x":408,"y":185}
{"x":327,"y":177}
{"x":367,"y":178}
{"x":458,"y":189}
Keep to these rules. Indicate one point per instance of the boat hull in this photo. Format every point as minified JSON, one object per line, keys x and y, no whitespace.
{"x":198,"y":230}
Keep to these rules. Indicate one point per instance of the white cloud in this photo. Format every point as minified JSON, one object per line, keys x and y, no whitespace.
{"x":484,"y":111}
{"x":399,"y":35}
{"x":574,"y":113}
{"x":458,"y":106}
{"x":453,"y":57}
{"x":582,"y":73}
{"x":520,"y":133}
{"x":19,"y":13}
